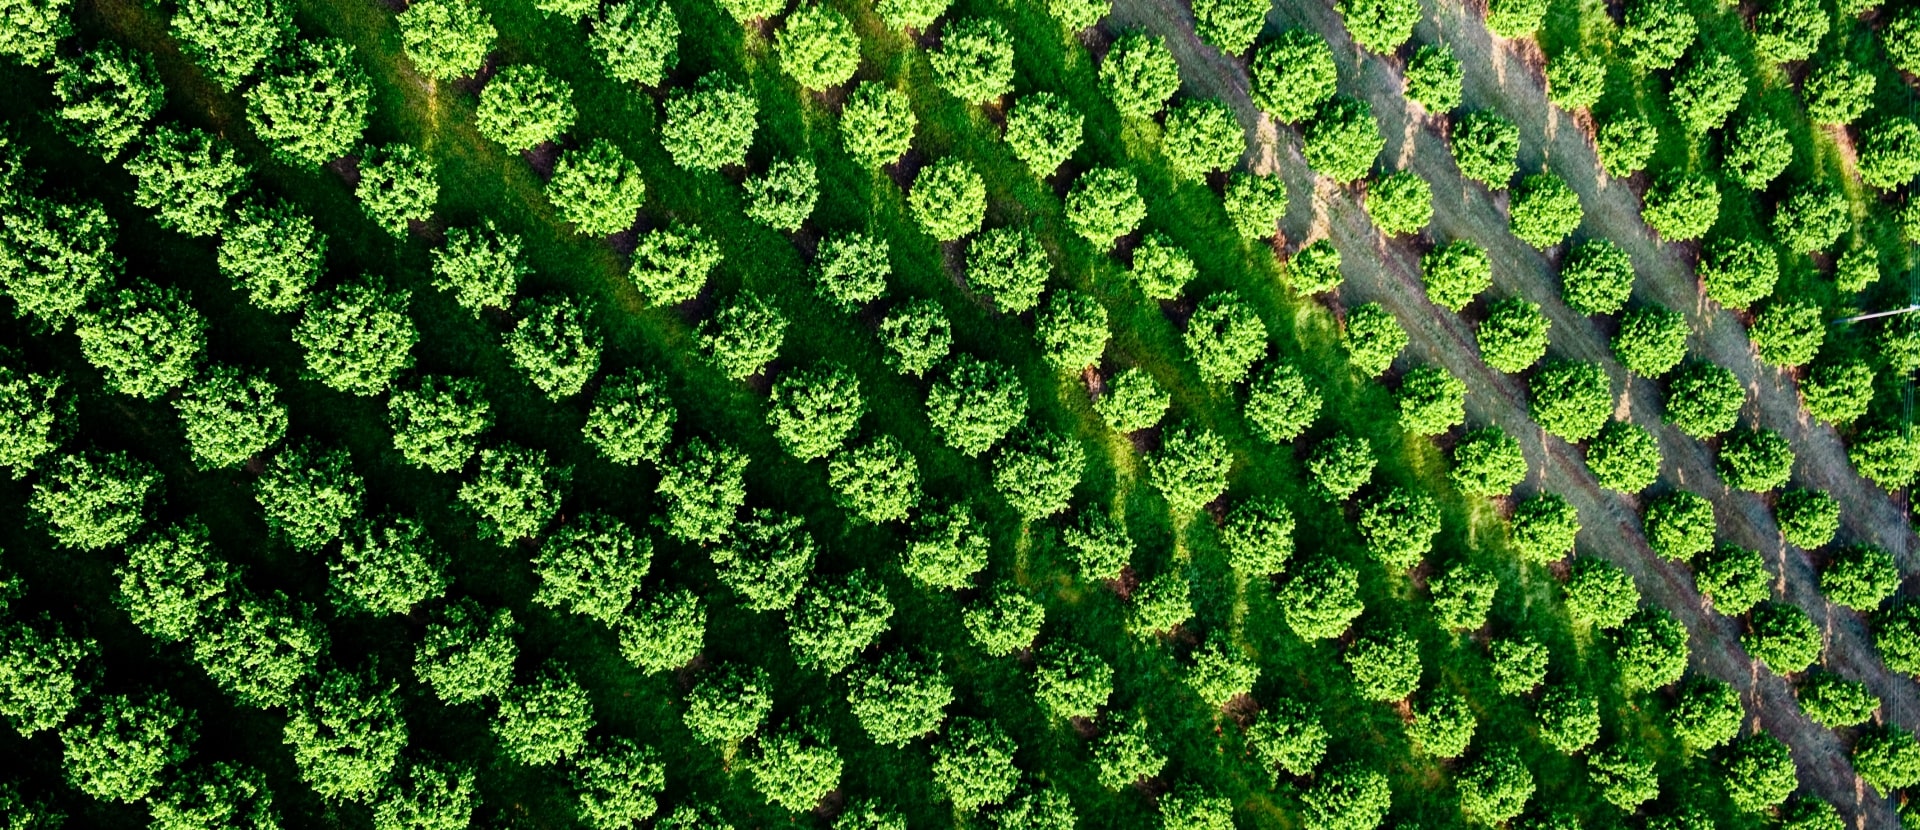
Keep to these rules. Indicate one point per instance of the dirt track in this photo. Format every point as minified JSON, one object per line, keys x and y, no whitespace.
{"x":1500,"y":76}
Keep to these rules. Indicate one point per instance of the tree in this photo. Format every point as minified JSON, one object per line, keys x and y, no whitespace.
{"x":814,"y":411}
{"x":1495,"y":788}
{"x":107,"y":97}
{"x":784,"y":196}
{"x":34,"y":31}
{"x":514,"y":493}
{"x":1341,"y":465}
{"x":1191,"y":468}
{"x":1886,"y":456}
{"x":437,"y":420}
{"x":347,"y":736}
{"x":1009,"y":267}
{"x":1836,"y":702}
{"x":766,"y":560}
{"x":878,"y":481}
{"x":1488,"y":462}
{"x":1221,"y":672}
{"x":975,"y":404}
{"x":1652,"y":340}
{"x":742,"y":337}
{"x":309,"y":494}
{"x":1004,"y":622}
{"x":1569,"y":719}
{"x":1789,"y":333}
{"x":1518,"y":664}
{"x":1650,"y":650}
{"x":671,"y":265}
{"x":975,"y":60}
{"x":446,"y":39}
{"x":911,"y":14}
{"x":1288,"y":737}
{"x":617,"y":782}
{"x":1576,"y":79}
{"x":1322,"y":599}
{"x":1433,"y":78}
{"x":93,"y":500}
{"x":1192,"y":808}
{"x":795,"y":768}
{"x":1037,"y":474}
{"x":546,"y":721}
{"x":1230,"y":26}
{"x":1624,"y":457}
{"x":1734,"y":578}
{"x":1680,"y":525}
{"x":1455,"y":273}
{"x":703,"y":487}
{"x":186,"y":177}
{"x":747,"y":11}
{"x":1600,"y":595}
{"x":868,"y":814}
{"x":1570,"y":399}
{"x":1681,"y":206}
{"x":1759,"y":151}
{"x":1597,"y":277}
{"x":312,"y":104}
{"x":1078,"y":15}
{"x":1625,"y":144}
{"x":1759,"y":773}
{"x":1385,"y":665}
{"x":1860,"y":577}
{"x":1657,"y":33}
{"x":1545,"y":211}
{"x":710,"y":125}
{"x":555,"y":346}
{"x":467,"y":652}
{"x":1201,"y":136}
{"x":1707,"y":91}
{"x":230,"y":416}
{"x":851,"y":270}
{"x":1098,"y":544}
{"x":121,"y":749}
{"x":230,"y":39}
{"x":1071,"y":682}
{"x":1704,"y":400}
{"x":1104,"y":205}
{"x":147,"y":340}
{"x":1374,"y":339}
{"x":1160,"y":605}
{"x":1807,"y":518}
{"x":1431,"y":400}
{"x":1293,"y":74}
{"x":1161,"y":268}
{"x":598,"y":190}
{"x":428,"y":794}
{"x":1139,"y":74}
{"x":693,"y":816}
{"x":397,"y":186}
{"x":1856,"y":269}
{"x":1838,"y":393}
{"x":387,"y":566}
{"x":1890,"y":153}
{"x":1899,"y":345}
{"x":274,"y":253}
{"x":217,"y":795}
{"x":876,"y":124}
{"x":1225,"y":337}
{"x":1624,"y":776}
{"x":949,"y":199}
{"x":833,"y":621}
{"x":1888,"y":758}
{"x":973,"y":764}
{"x":523,"y":106}
{"x":1043,"y":130}
{"x":1348,"y":797}
{"x":1485,"y":146}
{"x":1128,"y":755}
{"x":261,"y":652}
{"x":1515,"y":19}
{"x":1462,"y":597}
{"x":899,"y":699}
{"x":1133,"y":401}
{"x":1073,"y":330}
{"x":592,"y":566}
{"x":1379,"y":26}
{"x":1544,"y":528}
{"x":1706,"y":714}
{"x":1343,"y":139}
{"x":1810,"y":813}
{"x":663,"y":632}
{"x":481,"y":267}
{"x":1400,"y":203}
{"x":172,"y":583}
{"x":1790,"y":31}
{"x":818,"y":47}
{"x":1513,"y":336}
{"x":1837,"y":93}
{"x":43,"y":671}
{"x":1754,"y":459}
{"x":1280,"y":406}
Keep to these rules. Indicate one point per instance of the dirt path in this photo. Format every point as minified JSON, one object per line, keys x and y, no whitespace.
{"x":1499,"y":76}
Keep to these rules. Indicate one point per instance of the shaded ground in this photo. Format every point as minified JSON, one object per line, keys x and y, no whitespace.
{"x":1502,"y":76}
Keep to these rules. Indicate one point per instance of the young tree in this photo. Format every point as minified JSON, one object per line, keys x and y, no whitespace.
{"x":1837,"y":93}
{"x":1293,"y":74}
{"x":1225,"y":338}
{"x":1495,"y":788}
{"x":1860,"y":577}
{"x":514,"y":493}
{"x":1160,"y":267}
{"x":1230,"y":26}
{"x":546,"y":721}
{"x":346,"y":737}
{"x":1838,"y":393}
{"x":1462,"y":597}
{"x":56,"y":256}
{"x":795,"y":768}
{"x":851,"y":269}
{"x":555,"y":345}
{"x":833,"y":621}
{"x":766,"y":560}
{"x":1886,"y":456}
{"x":949,"y":199}
{"x":1385,"y":665}
{"x":427,"y":794}
{"x":121,"y":749}
{"x":1398,"y":526}
{"x":1400,"y":203}
{"x":663,"y":632}
{"x":975,"y":60}
{"x":311,"y":105}
{"x":1374,"y":339}
{"x":1004,"y":622}
{"x":1133,"y":401}
{"x":1160,"y":605}
{"x":309,"y":494}
{"x":437,"y":420}
{"x":1544,"y":528}
{"x":741,"y":338}
{"x":524,"y":106}
{"x":34,"y":31}
{"x":1707,"y":91}
{"x":1597,"y":277}
{"x":1657,"y":33}
{"x":1433,"y":78}
{"x":261,"y":652}
{"x":1624,"y":776}
{"x":1680,"y":525}
{"x":1759,"y":773}
{"x":1836,"y":702}
{"x":45,"y":674}
{"x":1625,"y":144}
{"x":397,"y":187}
{"x":1190,"y":470}
{"x":273,"y":252}
{"x":36,"y":413}
{"x":1431,"y":400}
{"x":1078,"y":15}
{"x":592,"y":566}
{"x":146,"y":340}
{"x":899,"y":699}
{"x":1288,"y":737}
{"x":1258,"y":536}
{"x":1379,"y":26}
{"x":446,"y":39}
{"x":975,"y":404}
{"x":1652,"y":341}
{"x":1788,"y":333}
{"x":357,"y":337}
{"x":597,"y":189}
{"x":230,"y":39}
{"x":1343,"y":139}
{"x":1571,"y":400}
{"x":1808,"y":519}
{"x":814,"y":411}
{"x":1043,"y":130}
{"x":1193,"y":808}
{"x":1071,"y":681}
{"x":1600,"y":595}
{"x":671,"y":265}
{"x":704,"y":488}
{"x":1488,"y":462}
{"x":1485,"y":146}
{"x":1681,"y":206}
{"x":216,"y":795}
{"x":107,"y":97}
{"x":467,"y":652}
{"x":1890,"y":153}
{"x":817,"y":47}
{"x":1624,"y":457}
{"x":878,"y":481}
{"x":1734,"y":578}
{"x":1348,"y":797}
{"x":387,"y":567}
{"x":1073,"y":330}
{"x":1888,"y":758}
{"x":1650,"y":650}
{"x":1706,"y":714}
{"x":1009,"y":267}
{"x":481,"y":267}
{"x":1098,"y":544}
{"x":1576,"y":79}
{"x":1756,"y":460}
{"x":1201,"y":136}
{"x":877,"y":124}
{"x":1341,"y":465}
{"x":1128,"y":755}
{"x":186,"y":177}
{"x":973,"y":764}
{"x":173,"y":583}
{"x":92,"y":500}
{"x":1518,"y":664}
{"x":784,"y":196}
{"x":229,"y":417}
{"x":1789,"y":31}
{"x":1545,"y":211}
{"x":1139,"y":74}
{"x":1759,"y":152}
{"x":710,"y":125}
{"x":1104,"y":205}
{"x":1455,"y":273}
{"x":1783,"y":637}
{"x":1037,"y":473}
{"x":1513,"y":336}
{"x":1322,"y":599}
{"x":911,"y":14}
{"x":1281,"y":405}
{"x":1704,"y":400}
{"x":1856,"y":269}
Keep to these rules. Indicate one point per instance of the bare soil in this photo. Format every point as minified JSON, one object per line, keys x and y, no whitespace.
{"x":1502,"y":76}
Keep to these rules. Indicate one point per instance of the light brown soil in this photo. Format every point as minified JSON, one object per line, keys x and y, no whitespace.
{"x":1504,"y":77}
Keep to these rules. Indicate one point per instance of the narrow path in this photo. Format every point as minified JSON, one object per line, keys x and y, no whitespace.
{"x":1499,"y":75}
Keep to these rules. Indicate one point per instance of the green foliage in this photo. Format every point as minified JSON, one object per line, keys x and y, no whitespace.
{"x":1073,"y":330}
{"x":1783,"y":637}
{"x":975,"y":404}
{"x":186,"y":177}
{"x":1625,"y":144}
{"x":671,"y":265}
{"x":41,"y":674}
{"x":1191,"y":468}
{"x":1139,"y":74}
{"x":1385,"y":665}
{"x":93,"y":501}
{"x":1431,"y":400}
{"x":1043,"y":130}
{"x":973,"y":764}
{"x":34,"y":30}
{"x":1886,"y":456}
{"x":481,"y":267}
{"x":555,"y":345}
{"x":1037,"y":474}
{"x":1545,"y":210}
{"x":742,"y":337}
{"x":1600,"y":595}
{"x":1229,"y":25}
{"x":1570,"y":399}
{"x":1758,"y":152}
{"x":1488,"y":462}
{"x":1201,"y":136}
{"x":1734,"y":578}
{"x":312,"y":104}
{"x":1513,"y":336}
{"x":1341,"y":465}
{"x":387,"y":566}
{"x":1704,"y":400}
{"x":1838,"y":393}
{"x":1288,"y":737}
{"x":709,"y":125}
{"x":1005,"y":622}
{"x":524,"y":106}
{"x":1757,"y":460}
{"x":1455,"y":273}
{"x":703,"y":487}
{"x":1221,"y":672}
{"x":742,"y":11}
{"x":1789,"y":333}
{"x":546,"y":721}
{"x":1104,"y":205}
{"x":592,"y":566}
{"x":1789,"y":31}
{"x":1652,"y":340}
{"x":876,"y":123}
{"x":147,"y":340}
{"x":1315,"y":268}
{"x":784,"y":196}
{"x":230,"y":39}
{"x":1657,"y":33}
{"x":597,"y":189}
{"x":766,"y":560}
{"x":397,"y":186}
{"x":514,"y":493}
{"x":899,"y":699}
{"x":1343,"y":138}
{"x":1160,"y":267}
{"x":975,"y":60}
{"x":217,"y":795}
{"x":172,"y":583}
{"x":1348,"y":797}
{"x":1433,"y":78}
{"x":1706,"y":714}
{"x":230,"y":416}
{"x":1860,"y":577}
{"x":1008,"y":266}
{"x":910,"y":14}
{"x":122,"y":748}
{"x":347,"y":736}
{"x":1808,"y":812}
{"x":1192,"y":808}
{"x":1133,"y":401}
{"x":817,"y":47}
{"x":1681,"y":206}
{"x":1707,"y":91}
{"x":261,"y":652}
{"x":946,"y":550}
{"x":1098,"y":544}
{"x":813,"y":411}
{"x":1680,"y":525}
{"x":1379,"y":26}
{"x":1888,"y":758}
{"x":309,"y":494}
{"x":1856,"y":269}
{"x":1576,"y":79}
{"x":728,"y":705}
{"x":55,"y":255}
{"x":436,"y":422}
{"x":1374,"y":339}
{"x":663,"y":632}
{"x":635,"y":41}
{"x":1597,"y":277}
{"x":1071,"y":682}
{"x":948,"y":199}
{"x":1518,"y":664}
{"x":833,"y":621}
{"x":1807,"y":518}
{"x":1160,"y":604}
{"x":1569,"y":719}
{"x":446,"y":39}
{"x":432,"y":795}
{"x":1127,"y":756}
{"x":107,"y":97}
{"x":878,"y":481}
{"x":1650,"y":650}
{"x":795,"y":769}
{"x":1293,"y":74}
{"x":631,"y":419}
{"x":1258,"y":536}
{"x":1400,"y":203}
{"x":1544,"y":528}
{"x":1485,"y":146}
{"x":1495,"y":788}
{"x":1225,"y":337}
{"x":1322,"y":599}
{"x":1836,"y":702}
{"x":1624,"y":776}
{"x":1462,"y":597}
{"x":1077,"y":15}
{"x":1837,"y":93}
{"x":1890,"y":153}
{"x":1758,"y":772}
{"x":1624,"y":457}
{"x":467,"y":653}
